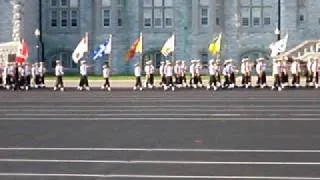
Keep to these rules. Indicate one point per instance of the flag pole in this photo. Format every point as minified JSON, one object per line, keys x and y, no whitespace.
{"x":109,"y":55}
{"x":141,"y":54}
{"x":173,"y":52}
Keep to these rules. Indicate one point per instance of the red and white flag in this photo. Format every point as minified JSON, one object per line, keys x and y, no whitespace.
{"x":23,"y":52}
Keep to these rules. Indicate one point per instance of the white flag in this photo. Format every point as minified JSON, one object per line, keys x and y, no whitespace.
{"x":169,"y":46}
{"x":109,"y":46}
{"x":279,"y":46}
{"x":81,"y":49}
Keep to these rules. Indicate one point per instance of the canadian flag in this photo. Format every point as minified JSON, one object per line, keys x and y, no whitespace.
{"x":23,"y":52}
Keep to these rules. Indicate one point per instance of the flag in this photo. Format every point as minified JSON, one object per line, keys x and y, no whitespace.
{"x":279,"y":46}
{"x":169,"y":46}
{"x":103,"y":49}
{"x":23,"y":52}
{"x":136,"y":47}
{"x":215,"y":45}
{"x":81,"y":49}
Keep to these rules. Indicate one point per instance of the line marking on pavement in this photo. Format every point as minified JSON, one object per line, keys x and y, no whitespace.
{"x":156,"y":162}
{"x":156,"y":176}
{"x":165,"y":150}
{"x":212,"y":118}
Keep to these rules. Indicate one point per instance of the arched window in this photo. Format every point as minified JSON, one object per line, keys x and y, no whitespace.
{"x":66,"y":59}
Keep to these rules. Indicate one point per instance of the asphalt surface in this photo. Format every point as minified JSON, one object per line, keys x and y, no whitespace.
{"x":187,"y":134}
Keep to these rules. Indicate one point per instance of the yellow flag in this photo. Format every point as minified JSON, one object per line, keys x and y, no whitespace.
{"x":215,"y":45}
{"x":139,"y":45}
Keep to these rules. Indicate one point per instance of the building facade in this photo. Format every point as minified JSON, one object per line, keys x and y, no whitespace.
{"x":248,"y":27}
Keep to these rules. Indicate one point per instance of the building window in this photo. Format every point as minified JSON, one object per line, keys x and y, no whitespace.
{"x":255,"y":13}
{"x":106,"y":13}
{"x":302,"y":12}
{"x":158,"y":13}
{"x":119,"y":12}
{"x":204,"y":12}
{"x":204,"y":58}
{"x":64,"y":14}
{"x":66,"y":60}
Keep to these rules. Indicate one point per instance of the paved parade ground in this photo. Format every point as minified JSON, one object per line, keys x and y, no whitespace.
{"x":187,"y":134}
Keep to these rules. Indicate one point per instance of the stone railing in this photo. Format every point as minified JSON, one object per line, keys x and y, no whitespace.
{"x":304,"y":50}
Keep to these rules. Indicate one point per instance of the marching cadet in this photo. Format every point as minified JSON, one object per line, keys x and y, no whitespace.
{"x":276,"y":70}
{"x":106,"y":72}
{"x":212,"y":73}
{"x":59,"y":74}
{"x":226,"y":74}
{"x":309,"y":76}
{"x":243,"y":72}
{"x":42,"y":72}
{"x":295,"y":73}
{"x":177,"y":73}
{"x":218,"y":68}
{"x":184,"y":74}
{"x":27,"y":76}
{"x":199,"y":72}
{"x":315,"y":73}
{"x":149,"y":70}
{"x":137,"y":74}
{"x":246,"y":69}
{"x":232,"y":77}
{"x":284,"y":73}
{"x":169,"y":75}
{"x":162,"y":75}
{"x":261,"y":72}
{"x":35,"y":75}
{"x":84,"y":84}
{"x":193,"y":80}
{"x":21,"y":78}
{"x":1,"y":75}
{"x":10,"y":77}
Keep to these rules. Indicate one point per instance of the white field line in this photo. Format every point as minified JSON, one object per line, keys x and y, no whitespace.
{"x":166,"y":150}
{"x":135,"y":176}
{"x":156,"y":162}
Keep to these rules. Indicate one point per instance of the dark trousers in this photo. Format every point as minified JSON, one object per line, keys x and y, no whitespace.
{"x":106,"y":82}
{"x":284,"y":77}
{"x":316,"y":77}
{"x":138,"y":82}
{"x":9,"y":79}
{"x":41,"y":79}
{"x":277,"y":81}
{"x":200,"y":79}
{"x":191,"y":80}
{"x":151,"y":80}
{"x":184,"y":79}
{"x":59,"y":82}
{"x":84,"y":81}
{"x":226,"y":81}
{"x":263,"y":78}
{"x":243,"y":80}
{"x":294,"y":79}
{"x":213,"y":80}
{"x":218,"y":77}
{"x":195,"y":80}
{"x":37,"y":80}
{"x":163,"y":80}
{"x":232,"y":78}
{"x":169,"y":81}
{"x":27,"y":80}
{"x":178,"y":79}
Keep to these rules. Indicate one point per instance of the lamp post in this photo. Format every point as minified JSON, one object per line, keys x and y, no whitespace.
{"x":279,"y":21}
{"x":37,"y":33}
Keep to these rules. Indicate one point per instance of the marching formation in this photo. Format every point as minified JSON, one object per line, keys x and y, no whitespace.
{"x":222,"y":75}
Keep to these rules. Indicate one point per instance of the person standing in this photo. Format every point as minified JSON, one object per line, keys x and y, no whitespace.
{"x":59,"y":75}
{"x":83,"y":84}
{"x":169,"y":76}
{"x":137,"y":74}
{"x":276,"y":70}
{"x":315,"y":73}
{"x":162,"y":75}
{"x":42,"y":72}
{"x":212,"y":73}
{"x":27,"y":76}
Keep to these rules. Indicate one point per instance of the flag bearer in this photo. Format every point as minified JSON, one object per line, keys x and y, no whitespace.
{"x":162,"y":75}
{"x":27,"y":76}
{"x":315,"y":73}
{"x":84,"y":84}
{"x":212,"y":73}
{"x":276,"y":70}
{"x":218,"y":68}
{"x":106,"y":72}
{"x":59,"y":74}
{"x":42,"y":72}
{"x":137,"y":74}
{"x":169,"y":77}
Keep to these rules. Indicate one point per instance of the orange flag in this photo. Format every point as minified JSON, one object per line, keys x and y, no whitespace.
{"x":136,"y":47}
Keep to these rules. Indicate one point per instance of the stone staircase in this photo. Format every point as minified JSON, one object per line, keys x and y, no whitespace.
{"x":303,"y":51}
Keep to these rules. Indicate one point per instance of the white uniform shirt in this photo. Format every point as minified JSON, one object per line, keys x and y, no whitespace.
{"x":243,"y":68}
{"x":225,"y":71}
{"x":84,"y":70}
{"x":212,"y":70}
{"x":263,"y":67}
{"x":276,"y":68}
{"x":5,"y":71}
{"x":259,"y":68}
{"x":192,"y":69}
{"x":106,"y":72}
{"x":137,"y":71}
{"x":147,"y":69}
{"x":169,"y":71}
{"x":21,"y":71}
{"x":151,"y":69}
{"x":183,"y":69}
{"x":161,"y":69}
{"x":42,"y":70}
{"x":294,"y":67}
{"x":230,"y":69}
{"x":59,"y":70}
{"x":11,"y":70}
{"x":27,"y":70}
{"x":198,"y":69}
{"x":309,"y":64}
{"x":314,"y":67}
{"x":35,"y":71}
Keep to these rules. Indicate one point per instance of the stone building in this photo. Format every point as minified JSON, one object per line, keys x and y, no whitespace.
{"x":248,"y":26}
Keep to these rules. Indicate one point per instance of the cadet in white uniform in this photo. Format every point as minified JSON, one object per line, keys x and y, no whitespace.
{"x":284,"y":73}
{"x":212,"y":73}
{"x":232,"y":77}
{"x":177,"y":73}
{"x":35,"y":75}
{"x":137,"y":74}
{"x":309,"y":76}
{"x":193,"y":80}
{"x":226,"y":74}
{"x":84,"y":77}
{"x":295,"y":73}
{"x":261,"y":72}
{"x":276,"y":69}
{"x":162,"y":75}
{"x":149,"y":70}
{"x":106,"y":72}
{"x":184,"y":73}
{"x":218,"y":68}
{"x":199,"y":69}
{"x":59,"y":74}
{"x":21,"y":77}
{"x":315,"y":73}
{"x":10,"y":77}
{"x":169,"y":76}
{"x":27,"y":76}
{"x":42,"y":72}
